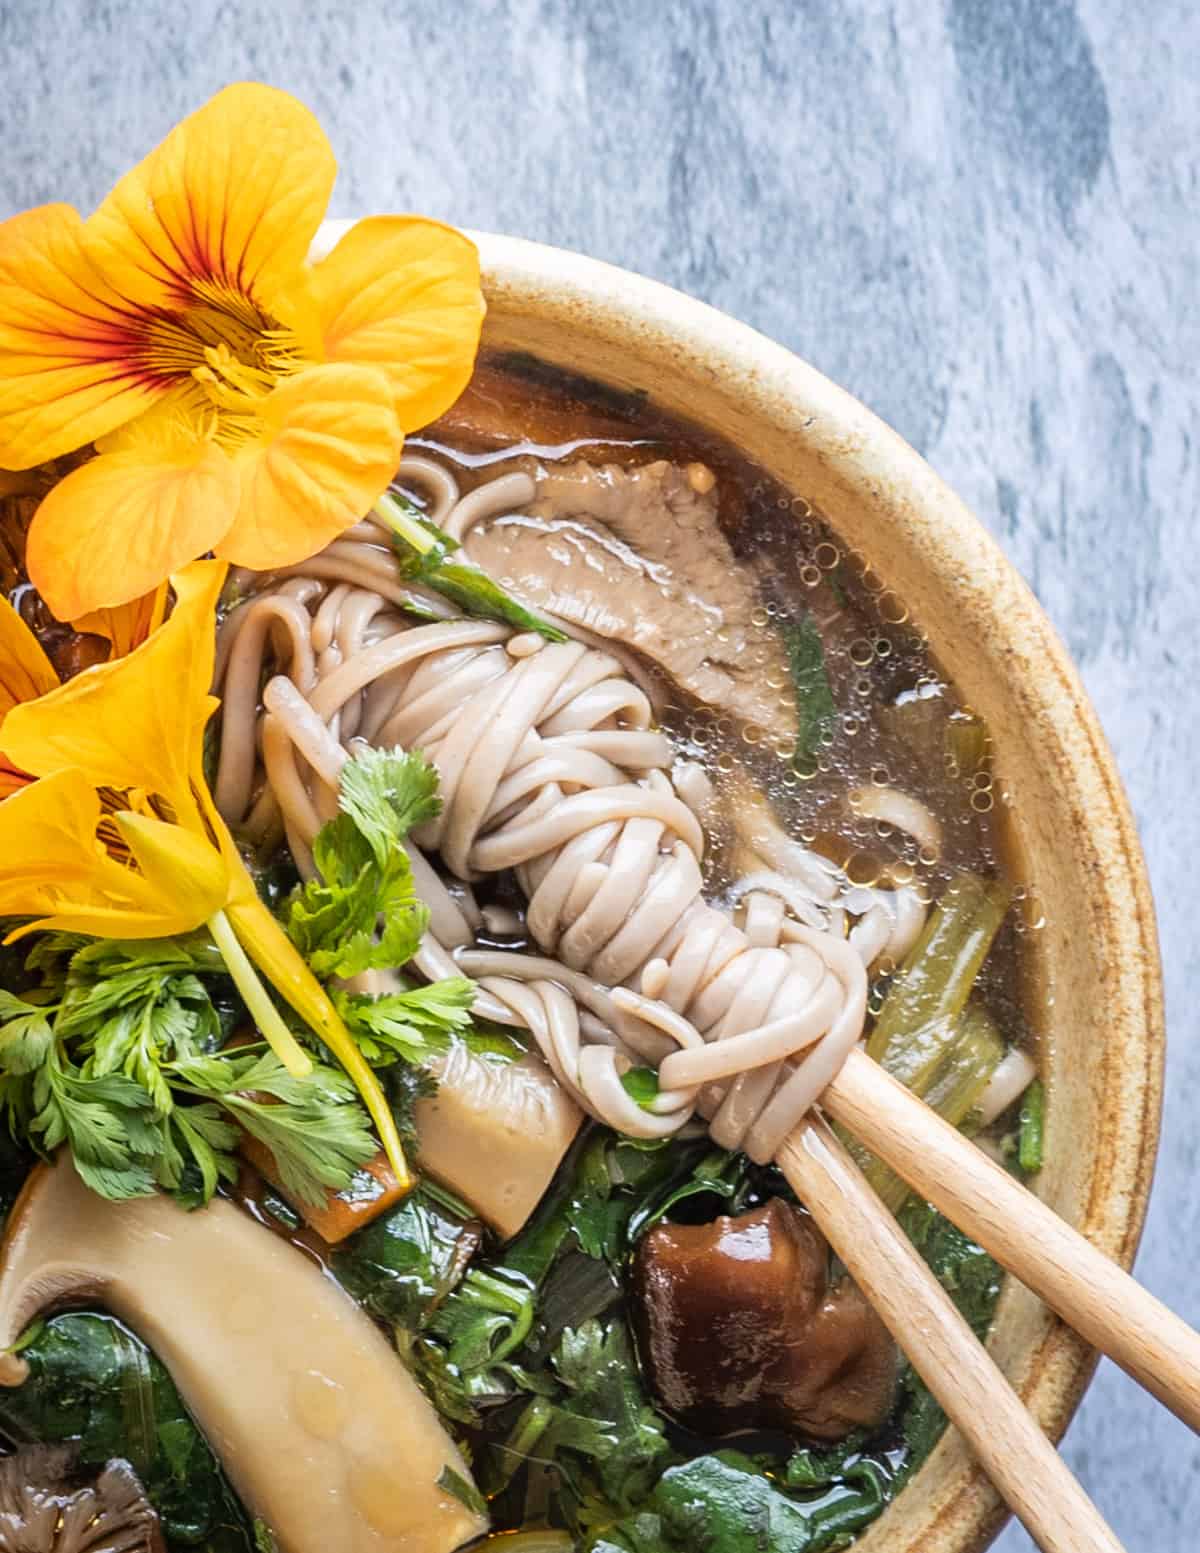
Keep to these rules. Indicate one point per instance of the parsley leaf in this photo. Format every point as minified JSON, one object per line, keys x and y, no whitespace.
{"x":314,"y":1127}
{"x":408,"y":1025}
{"x":387,"y":795}
{"x":25,"y":1034}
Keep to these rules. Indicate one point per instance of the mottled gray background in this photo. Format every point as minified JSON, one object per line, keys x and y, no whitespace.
{"x":978,"y":215}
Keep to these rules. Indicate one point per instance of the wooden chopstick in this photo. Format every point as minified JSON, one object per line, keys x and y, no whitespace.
{"x":1023,"y":1465}
{"x":1091,"y":1293}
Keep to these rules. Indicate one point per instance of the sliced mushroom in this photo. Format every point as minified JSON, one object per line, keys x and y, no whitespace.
{"x":45,"y":1508}
{"x":739,"y":1329}
{"x":323,"y":1432}
{"x":495,"y":1132}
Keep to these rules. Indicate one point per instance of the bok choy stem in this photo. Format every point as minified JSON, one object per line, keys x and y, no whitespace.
{"x":929,"y":1035}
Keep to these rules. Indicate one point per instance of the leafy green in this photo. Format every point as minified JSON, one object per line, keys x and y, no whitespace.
{"x":408,"y":1025}
{"x":641,"y":1085}
{"x":314,"y":1127}
{"x":628,"y":1446}
{"x":423,"y":552}
{"x":723,"y":1503}
{"x":362,"y":912}
{"x":1031,"y":1138}
{"x":92,"y":1382}
{"x":816,"y":712}
{"x":264,"y":1538}
{"x":463,"y":1490}
{"x":114,"y":1052}
{"x":964,"y":1269}
{"x":404,"y":1263}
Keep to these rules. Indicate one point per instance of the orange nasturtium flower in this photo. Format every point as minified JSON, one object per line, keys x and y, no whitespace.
{"x":119,"y":838}
{"x":241,"y":399}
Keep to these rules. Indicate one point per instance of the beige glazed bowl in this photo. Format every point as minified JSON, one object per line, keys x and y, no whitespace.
{"x":1098,"y":992}
{"x":1097,"y":972}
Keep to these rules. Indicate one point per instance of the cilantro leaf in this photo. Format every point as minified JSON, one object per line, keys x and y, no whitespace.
{"x":388,"y":794}
{"x":596,"y":1364}
{"x":363,"y":912}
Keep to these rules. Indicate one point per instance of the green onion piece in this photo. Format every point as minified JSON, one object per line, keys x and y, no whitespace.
{"x":967,"y":1067}
{"x":816,"y":712}
{"x":423,"y":551}
{"x":1032,"y":1135}
{"x":641,"y":1085}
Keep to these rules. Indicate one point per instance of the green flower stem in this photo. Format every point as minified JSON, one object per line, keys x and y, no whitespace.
{"x":257,"y":999}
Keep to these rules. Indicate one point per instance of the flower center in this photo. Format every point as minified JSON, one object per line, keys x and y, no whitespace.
{"x":227,"y":345}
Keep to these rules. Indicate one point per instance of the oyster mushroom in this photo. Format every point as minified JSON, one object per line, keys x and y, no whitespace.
{"x":321,"y":1429}
{"x":495,"y":1132}
{"x":45,"y":1508}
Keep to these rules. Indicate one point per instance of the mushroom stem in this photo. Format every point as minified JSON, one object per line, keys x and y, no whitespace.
{"x":323,"y":1432}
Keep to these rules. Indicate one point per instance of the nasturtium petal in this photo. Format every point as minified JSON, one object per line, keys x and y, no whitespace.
{"x":128,"y":625}
{"x":401,"y":293}
{"x":69,"y":367}
{"x":328,"y":444}
{"x":11,"y":780}
{"x":25,"y":670}
{"x":137,"y":722}
{"x":53,"y":869}
{"x":224,"y":209}
{"x":112,"y":529}
{"x":176,"y":862}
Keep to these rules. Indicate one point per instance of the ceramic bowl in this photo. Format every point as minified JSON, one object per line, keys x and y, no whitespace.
{"x":1096,"y":969}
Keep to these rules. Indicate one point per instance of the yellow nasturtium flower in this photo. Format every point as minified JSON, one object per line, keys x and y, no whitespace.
{"x":241,"y":399}
{"x":119,"y":838}
{"x":26,"y":672}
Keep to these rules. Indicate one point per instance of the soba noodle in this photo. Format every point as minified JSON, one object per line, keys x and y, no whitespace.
{"x":549,"y":765}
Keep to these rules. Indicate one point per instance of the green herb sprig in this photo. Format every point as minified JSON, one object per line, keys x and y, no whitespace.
{"x":424,"y":550}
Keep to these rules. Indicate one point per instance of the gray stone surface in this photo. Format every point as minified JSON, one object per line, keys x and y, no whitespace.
{"x":978,"y":215}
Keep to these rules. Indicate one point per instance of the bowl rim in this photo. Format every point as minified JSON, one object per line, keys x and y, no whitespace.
{"x":526,"y":280}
